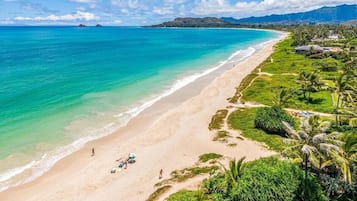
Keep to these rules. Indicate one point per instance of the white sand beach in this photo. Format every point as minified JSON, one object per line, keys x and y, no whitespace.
{"x":170,"y":136}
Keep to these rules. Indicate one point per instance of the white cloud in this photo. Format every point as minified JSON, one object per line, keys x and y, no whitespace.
{"x":79,"y":15}
{"x":133,"y":4}
{"x":117,"y":21}
{"x":264,"y":7}
{"x":163,"y":11}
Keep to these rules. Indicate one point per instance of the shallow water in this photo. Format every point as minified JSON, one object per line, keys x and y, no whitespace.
{"x":63,"y":86}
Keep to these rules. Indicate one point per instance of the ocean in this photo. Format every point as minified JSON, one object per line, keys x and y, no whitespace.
{"x":61,"y":87}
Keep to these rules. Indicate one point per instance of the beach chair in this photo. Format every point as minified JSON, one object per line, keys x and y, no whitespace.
{"x":132,"y":158}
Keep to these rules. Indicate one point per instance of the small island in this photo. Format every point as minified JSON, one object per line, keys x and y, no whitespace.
{"x":99,"y":25}
{"x":81,"y":25}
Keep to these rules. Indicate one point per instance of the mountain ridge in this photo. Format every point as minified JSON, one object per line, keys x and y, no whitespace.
{"x":335,"y":15}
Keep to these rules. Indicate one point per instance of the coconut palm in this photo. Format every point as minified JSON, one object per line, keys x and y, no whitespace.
{"x":350,"y":146}
{"x":346,"y":92}
{"x":313,"y":145}
{"x":235,"y":171}
{"x":310,"y":82}
{"x":284,"y":98}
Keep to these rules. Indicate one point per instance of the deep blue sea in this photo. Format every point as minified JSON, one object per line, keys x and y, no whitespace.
{"x":63,"y":86}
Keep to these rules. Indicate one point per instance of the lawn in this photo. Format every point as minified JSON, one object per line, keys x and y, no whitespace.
{"x":285,"y":68}
{"x":243,"y":120}
{"x":265,"y":89}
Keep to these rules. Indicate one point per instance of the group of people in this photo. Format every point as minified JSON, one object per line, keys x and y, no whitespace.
{"x":124,"y":163}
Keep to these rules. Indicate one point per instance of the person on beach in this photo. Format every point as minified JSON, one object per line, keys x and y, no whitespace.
{"x":160,"y":175}
{"x":93,"y":151}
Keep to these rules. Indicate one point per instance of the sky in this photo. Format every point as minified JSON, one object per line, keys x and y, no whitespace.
{"x":143,"y":12}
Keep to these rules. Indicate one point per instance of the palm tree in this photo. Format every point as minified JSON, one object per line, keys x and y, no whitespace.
{"x":235,"y":171}
{"x":313,"y":145}
{"x":201,"y":193}
{"x":345,"y":90}
{"x":350,"y":148}
{"x":284,"y":98}
{"x":310,"y":82}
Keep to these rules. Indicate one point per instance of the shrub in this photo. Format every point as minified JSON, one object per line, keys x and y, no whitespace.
{"x":156,"y":195}
{"x":209,"y":156}
{"x":270,"y":119}
{"x":183,"y":195}
{"x":272,"y":179}
{"x":265,"y":180}
{"x":217,"y":120}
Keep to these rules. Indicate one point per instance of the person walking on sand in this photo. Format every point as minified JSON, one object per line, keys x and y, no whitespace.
{"x":160,"y":175}
{"x":93,"y":152}
{"x":126,"y":164}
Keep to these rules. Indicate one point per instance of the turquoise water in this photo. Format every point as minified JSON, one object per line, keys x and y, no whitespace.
{"x":60,"y":85}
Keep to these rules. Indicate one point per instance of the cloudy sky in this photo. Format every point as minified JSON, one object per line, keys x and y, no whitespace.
{"x":143,"y":12}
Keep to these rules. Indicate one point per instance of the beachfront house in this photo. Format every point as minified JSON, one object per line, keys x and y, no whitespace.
{"x":308,"y":48}
{"x":334,"y":37}
{"x":315,"y":48}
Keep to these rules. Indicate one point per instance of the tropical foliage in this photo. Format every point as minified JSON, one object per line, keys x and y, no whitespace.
{"x":319,"y":157}
{"x":262,"y":180}
{"x":312,"y":144}
{"x":310,"y":82}
{"x":270,"y":119}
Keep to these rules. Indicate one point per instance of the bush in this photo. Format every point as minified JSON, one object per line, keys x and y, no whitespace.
{"x":217,"y":120}
{"x":183,"y":195}
{"x":270,"y":120}
{"x":268,"y":179}
{"x":209,"y":156}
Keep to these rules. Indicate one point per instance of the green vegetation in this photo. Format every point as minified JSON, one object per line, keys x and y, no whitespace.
{"x":209,"y":156}
{"x":313,"y":145}
{"x":346,"y":87}
{"x":156,"y":195}
{"x":221,"y":136}
{"x":243,"y":120}
{"x":264,"y":180}
{"x":184,"y":195}
{"x":187,"y":173}
{"x":270,"y":119}
{"x":243,"y":85}
{"x":320,"y":154}
{"x":286,"y":69}
{"x":218,"y":120}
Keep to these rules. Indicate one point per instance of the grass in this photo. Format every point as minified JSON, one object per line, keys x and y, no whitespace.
{"x":187,"y":173}
{"x":265,"y":88}
{"x":209,"y":156}
{"x":183,"y":195}
{"x":244,"y":84}
{"x":156,"y":195}
{"x":218,"y":120}
{"x":285,"y":69}
{"x":243,"y":120}
{"x":221,"y":136}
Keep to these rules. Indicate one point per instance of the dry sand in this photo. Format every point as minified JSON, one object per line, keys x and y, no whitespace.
{"x":170,"y":135}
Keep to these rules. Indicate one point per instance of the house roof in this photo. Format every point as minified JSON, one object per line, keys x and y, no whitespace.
{"x":308,"y":48}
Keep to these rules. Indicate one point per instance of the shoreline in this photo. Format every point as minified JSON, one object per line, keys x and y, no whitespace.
{"x":25,"y":173}
{"x":159,"y":128}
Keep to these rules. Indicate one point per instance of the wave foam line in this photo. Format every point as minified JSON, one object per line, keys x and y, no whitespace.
{"x":39,"y":167}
